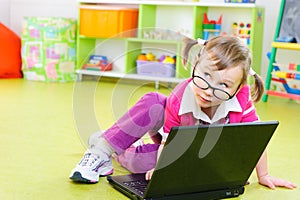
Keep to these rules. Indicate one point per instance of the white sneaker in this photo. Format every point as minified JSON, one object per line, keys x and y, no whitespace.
{"x":91,"y":167}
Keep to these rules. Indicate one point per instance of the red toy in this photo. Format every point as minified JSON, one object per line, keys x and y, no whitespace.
{"x":211,"y":26}
{"x":10,"y":54}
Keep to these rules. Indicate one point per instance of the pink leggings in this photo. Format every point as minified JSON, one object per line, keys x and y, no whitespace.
{"x":146,"y":116}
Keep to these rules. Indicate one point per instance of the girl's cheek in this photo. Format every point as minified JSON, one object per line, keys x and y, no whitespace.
{"x":217,"y":101}
{"x":195,"y":89}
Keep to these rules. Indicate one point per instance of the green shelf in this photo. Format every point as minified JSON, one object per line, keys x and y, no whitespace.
{"x":148,"y":19}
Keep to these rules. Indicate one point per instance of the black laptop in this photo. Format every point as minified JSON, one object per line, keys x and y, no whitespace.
{"x":202,"y":162}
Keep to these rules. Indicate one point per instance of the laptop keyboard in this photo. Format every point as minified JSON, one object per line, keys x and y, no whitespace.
{"x":139,"y":186}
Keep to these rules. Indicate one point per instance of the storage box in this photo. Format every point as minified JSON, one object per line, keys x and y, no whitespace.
{"x":149,"y":68}
{"x":108,"y":21}
{"x":49,"y":49}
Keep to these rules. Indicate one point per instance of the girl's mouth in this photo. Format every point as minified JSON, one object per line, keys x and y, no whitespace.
{"x":203,"y":99}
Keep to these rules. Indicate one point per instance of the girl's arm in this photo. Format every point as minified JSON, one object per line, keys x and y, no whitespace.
{"x":262,"y":166}
{"x":171,"y":113}
{"x":150,"y":172}
{"x":265,"y":179}
{"x":171,"y":119}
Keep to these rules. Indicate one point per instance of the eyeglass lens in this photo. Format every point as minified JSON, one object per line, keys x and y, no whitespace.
{"x":203,"y":84}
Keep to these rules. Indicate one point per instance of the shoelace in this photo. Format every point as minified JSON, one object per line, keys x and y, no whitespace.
{"x":89,"y":159}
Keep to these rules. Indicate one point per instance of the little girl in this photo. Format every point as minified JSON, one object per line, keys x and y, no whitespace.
{"x":217,"y":93}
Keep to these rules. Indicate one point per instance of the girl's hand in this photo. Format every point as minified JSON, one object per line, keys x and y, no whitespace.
{"x":273,"y":182}
{"x":149,"y":174}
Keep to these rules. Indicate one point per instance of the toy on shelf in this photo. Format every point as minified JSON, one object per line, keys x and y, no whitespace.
{"x":211,"y":27}
{"x":242,"y":30}
{"x":295,"y":67}
{"x":148,"y":64}
{"x":98,"y":63}
{"x":150,"y":57}
{"x":289,"y":75}
{"x":281,"y":76}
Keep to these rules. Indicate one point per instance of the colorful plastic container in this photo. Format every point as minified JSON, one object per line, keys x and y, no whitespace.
{"x":108,"y":21}
{"x":159,"y":69}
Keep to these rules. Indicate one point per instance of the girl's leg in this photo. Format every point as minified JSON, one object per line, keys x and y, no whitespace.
{"x":147,"y":115}
{"x":139,"y":159}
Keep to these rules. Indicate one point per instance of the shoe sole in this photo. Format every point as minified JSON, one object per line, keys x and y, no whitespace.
{"x":103,"y":174}
{"x":78,"y":178}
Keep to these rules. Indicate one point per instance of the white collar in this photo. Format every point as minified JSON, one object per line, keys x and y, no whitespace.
{"x":189,"y":104}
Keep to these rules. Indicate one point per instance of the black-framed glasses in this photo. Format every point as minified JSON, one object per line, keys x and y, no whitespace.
{"x":217,"y":92}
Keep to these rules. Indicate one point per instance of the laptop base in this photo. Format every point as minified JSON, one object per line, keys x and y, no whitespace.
{"x":208,"y":195}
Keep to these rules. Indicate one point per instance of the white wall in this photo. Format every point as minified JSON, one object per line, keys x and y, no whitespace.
{"x":271,"y":14}
{"x":13,"y":11}
{"x":5,"y":12}
{"x":17,"y":9}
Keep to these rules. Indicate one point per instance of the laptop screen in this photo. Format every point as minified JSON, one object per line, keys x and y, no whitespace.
{"x":207,"y":158}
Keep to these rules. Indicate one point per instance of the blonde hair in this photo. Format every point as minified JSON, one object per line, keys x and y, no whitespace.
{"x":226,"y":51}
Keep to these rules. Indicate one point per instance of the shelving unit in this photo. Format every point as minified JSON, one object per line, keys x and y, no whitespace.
{"x":170,"y":16}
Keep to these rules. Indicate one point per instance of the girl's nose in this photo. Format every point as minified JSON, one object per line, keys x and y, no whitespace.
{"x":208,"y":92}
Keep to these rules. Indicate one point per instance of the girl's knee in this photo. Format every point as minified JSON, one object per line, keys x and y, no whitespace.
{"x":155,"y":98}
{"x":139,"y":159}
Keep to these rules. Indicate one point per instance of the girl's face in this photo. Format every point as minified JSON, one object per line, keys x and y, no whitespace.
{"x":222,"y":84}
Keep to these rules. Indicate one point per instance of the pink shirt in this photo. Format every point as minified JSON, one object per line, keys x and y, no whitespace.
{"x":173,"y":118}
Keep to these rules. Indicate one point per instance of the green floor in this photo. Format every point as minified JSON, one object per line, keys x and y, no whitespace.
{"x":42,"y":127}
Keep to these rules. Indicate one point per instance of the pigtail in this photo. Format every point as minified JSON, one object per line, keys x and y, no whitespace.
{"x":188,"y":43}
{"x":258,"y":89}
